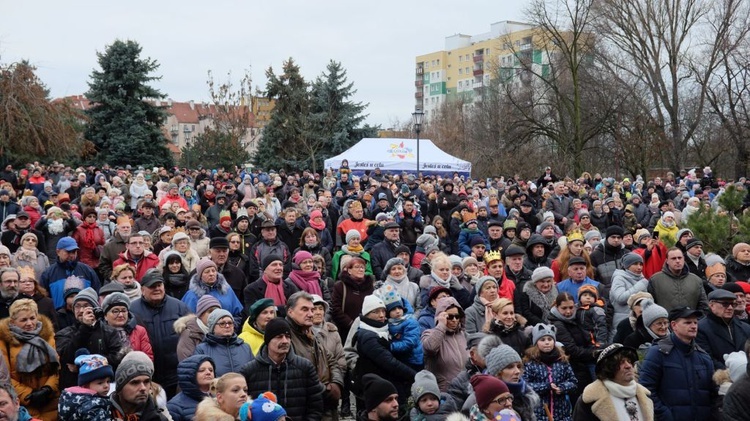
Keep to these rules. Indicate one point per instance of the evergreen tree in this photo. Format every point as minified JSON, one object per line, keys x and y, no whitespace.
{"x":720,"y":229}
{"x":123,"y":125}
{"x":336,"y":119}
{"x":288,"y":129}
{"x":214,"y":149}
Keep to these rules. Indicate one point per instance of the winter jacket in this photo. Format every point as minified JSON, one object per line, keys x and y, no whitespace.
{"x":261,"y":249}
{"x":110,"y":254}
{"x":718,"y":337}
{"x":309,"y":346}
{"x":150,"y":411}
{"x":251,"y":336}
{"x":159,"y":322}
{"x":697,"y":269}
{"x":737,"y":399}
{"x":147,"y":261}
{"x":294,"y":381}
{"x":208,"y":410}
{"x":257,"y":290}
{"x":336,"y":262}
{"x":671,"y":291}
{"x":427,"y":318}
{"x":572,"y":287}
{"x":100,"y":339}
{"x":445,"y":351}
{"x":230,"y":354}
{"x":596,"y":403}
{"x":464,"y":240}
{"x":190,"y":333}
{"x":138,"y":338}
{"x":219,"y":290}
{"x":678,"y":375}
{"x":406,"y":343}
{"x":150,"y":225}
{"x":44,"y":305}
{"x":80,"y":404}
{"x":606,"y":260}
{"x":447,"y":406}
{"x":50,"y":240}
{"x":200,"y":245}
{"x":53,"y":279}
{"x":461,"y":294}
{"x":379,"y":256}
{"x":539,"y":375}
{"x":624,"y":284}
{"x":40,"y":263}
{"x":89,"y":254}
{"x":736,"y":271}
{"x":25,"y":383}
{"x":514,"y":336}
{"x":653,"y":260}
{"x":346,"y":301}
{"x":577,"y":345}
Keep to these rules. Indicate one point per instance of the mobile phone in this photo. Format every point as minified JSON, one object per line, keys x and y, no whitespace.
{"x":656,"y":235}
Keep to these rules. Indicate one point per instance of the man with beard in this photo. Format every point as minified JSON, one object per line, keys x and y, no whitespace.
{"x":12,"y":237}
{"x":116,"y":245}
{"x":385,"y":250}
{"x":381,"y":399}
{"x":53,"y":278}
{"x":132,"y":397}
{"x":9,"y":280}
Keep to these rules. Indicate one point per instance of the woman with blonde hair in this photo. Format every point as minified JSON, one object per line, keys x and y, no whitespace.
{"x":28,"y":287}
{"x":507,"y":325}
{"x":29,"y":349}
{"x":231,"y":394}
{"x":124,"y":274}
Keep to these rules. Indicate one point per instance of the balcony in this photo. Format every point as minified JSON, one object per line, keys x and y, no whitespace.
{"x":478,"y":72}
{"x":478,"y":85}
{"x":419,"y":83}
{"x":418,"y":95}
{"x":478,"y":58}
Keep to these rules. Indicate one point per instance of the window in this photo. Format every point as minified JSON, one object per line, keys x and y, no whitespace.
{"x":487,"y":51}
{"x":461,"y":71}
{"x":468,"y":71}
{"x":467,"y":57}
{"x":460,"y":59}
{"x":460,"y":84}
{"x":433,"y":62}
{"x":438,"y":62}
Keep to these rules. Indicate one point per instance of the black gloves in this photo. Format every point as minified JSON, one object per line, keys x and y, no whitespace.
{"x":40,"y":397}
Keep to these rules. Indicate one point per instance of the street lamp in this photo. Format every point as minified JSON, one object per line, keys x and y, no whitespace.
{"x":186,"y":132}
{"x":417,"y":117}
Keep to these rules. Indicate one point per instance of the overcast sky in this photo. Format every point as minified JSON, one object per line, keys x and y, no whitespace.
{"x":375,"y":41}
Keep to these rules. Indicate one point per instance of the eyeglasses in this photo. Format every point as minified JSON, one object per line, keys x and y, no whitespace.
{"x":663,"y":323}
{"x":452,"y":316}
{"x":81,"y":306}
{"x":118,"y":312}
{"x":358,"y":267}
{"x":724,"y":304}
{"x":502,"y":400}
{"x":225,"y":324}
{"x":194,"y":229}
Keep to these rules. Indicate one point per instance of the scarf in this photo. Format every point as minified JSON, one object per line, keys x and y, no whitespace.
{"x":355,"y":251}
{"x":25,"y":255}
{"x":553,"y":311}
{"x":202,"y":326}
{"x":176,"y":279}
{"x":89,"y":239}
{"x":517,"y":389}
{"x":311,"y":245}
{"x":401,"y":285}
{"x":35,"y":352}
{"x":124,"y":337}
{"x":619,"y":391}
{"x":381,"y":329}
{"x":549,"y":358}
{"x":275,"y":291}
{"x":440,"y":282}
{"x":319,"y":226}
{"x":501,"y":330}
{"x":308,"y":281}
{"x":542,"y":300}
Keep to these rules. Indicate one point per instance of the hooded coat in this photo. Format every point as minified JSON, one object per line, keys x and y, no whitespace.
{"x":219,"y":290}
{"x":445,"y":351}
{"x":190,"y":333}
{"x":230,"y":354}
{"x":182,"y":407}
{"x":624,"y":284}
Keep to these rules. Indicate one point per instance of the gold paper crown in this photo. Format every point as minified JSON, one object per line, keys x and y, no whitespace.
{"x":491,"y":256}
{"x":27,"y":272}
{"x":576,"y":236}
{"x":224,"y":213}
{"x":180,"y":229}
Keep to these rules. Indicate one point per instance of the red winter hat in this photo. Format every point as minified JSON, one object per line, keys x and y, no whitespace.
{"x":486,"y":388}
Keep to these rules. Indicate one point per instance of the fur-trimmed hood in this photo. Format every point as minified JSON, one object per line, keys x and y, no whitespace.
{"x":208,"y":410}
{"x":47,"y":333}
{"x":602,"y":406}
{"x":181,"y":324}
{"x":200,"y":289}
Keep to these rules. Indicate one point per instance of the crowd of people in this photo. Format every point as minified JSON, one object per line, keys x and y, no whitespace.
{"x":171,"y":294}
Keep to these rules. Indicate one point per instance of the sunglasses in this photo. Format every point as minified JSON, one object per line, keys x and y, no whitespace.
{"x":452,"y":316}
{"x":725,"y":304}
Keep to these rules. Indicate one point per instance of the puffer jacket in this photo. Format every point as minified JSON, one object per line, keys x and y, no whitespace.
{"x":219,"y":290}
{"x":577,"y":344}
{"x":624,"y":284}
{"x":100,"y":339}
{"x":81,"y":404}
{"x":230,"y":354}
{"x":447,"y":406}
{"x":606,"y":260}
{"x":294,"y":381}
{"x":445,"y":352}
{"x":408,"y":346}
{"x":678,"y":375}
{"x":182,"y":407}
{"x":671,"y":291}
{"x":251,"y":336}
{"x":190,"y":333}
{"x":53,"y":279}
{"x":139,"y":340}
{"x":25,"y":383}
{"x":539,"y":376}
{"x":736,"y":271}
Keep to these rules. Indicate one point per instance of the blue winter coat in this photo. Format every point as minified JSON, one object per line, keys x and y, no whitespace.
{"x":53,"y":279}
{"x":537,"y":376}
{"x":182,"y":406}
{"x":464,"y":241}
{"x":81,"y":404}
{"x":572,"y":287}
{"x":678,"y":375}
{"x":406,"y":343}
{"x":229,"y":354}
{"x":427,"y":318}
{"x":220,"y":290}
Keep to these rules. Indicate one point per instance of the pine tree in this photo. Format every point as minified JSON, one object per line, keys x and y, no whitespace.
{"x":214,"y":149}
{"x":123,"y":125}
{"x":720,"y":229}
{"x":289,"y":127}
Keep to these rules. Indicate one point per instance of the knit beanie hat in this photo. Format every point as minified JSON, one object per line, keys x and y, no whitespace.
{"x":713,"y":258}
{"x":258,"y":308}
{"x":391,"y":263}
{"x":391,"y":298}
{"x":482,"y":280}
{"x":115,"y":299}
{"x":476,"y":240}
{"x":352,"y":234}
{"x":692,"y":243}
{"x":263,"y":408}
{"x":135,"y":363}
{"x":179,"y":236}
{"x":204,"y":264}
{"x":468,"y":261}
{"x":615,"y":230}
{"x":501,"y":357}
{"x":487,"y":388}
{"x":588,"y":289}
{"x":682,"y":232}
{"x":640,"y":234}
{"x":437,"y":289}
{"x":402,"y":249}
{"x":590,"y":235}
{"x":88,"y":295}
{"x":736,"y":363}
{"x":92,"y":367}
{"x":540,"y":273}
{"x":425,"y":240}
{"x":274,"y":328}
{"x":541,"y":330}
{"x":224,"y":216}
{"x":110,"y":288}
{"x":630,"y":259}
{"x":214,"y":318}
{"x":637,"y":298}
{"x":430,"y":248}
{"x":206,"y":302}
{"x":424,"y":383}
{"x":456,"y":260}
{"x":301,"y":256}
{"x":72,"y":286}
{"x":371,"y":302}
{"x":376,"y":390}
{"x":652,"y":312}
{"x":270,"y":258}
{"x":733,"y":288}
{"x":23,"y":238}
{"x":544,"y":225}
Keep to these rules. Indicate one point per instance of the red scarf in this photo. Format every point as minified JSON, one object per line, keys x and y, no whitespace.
{"x":318,"y":226}
{"x":89,"y":239}
{"x":275,"y":292}
{"x":308,"y":281}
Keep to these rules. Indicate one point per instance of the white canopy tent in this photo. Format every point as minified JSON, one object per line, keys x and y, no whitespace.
{"x":399,"y":155}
